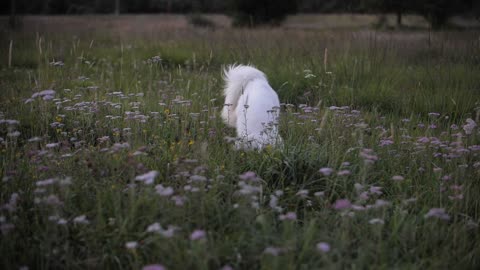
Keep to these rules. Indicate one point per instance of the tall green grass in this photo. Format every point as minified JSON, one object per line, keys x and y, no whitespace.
{"x":164,"y":116}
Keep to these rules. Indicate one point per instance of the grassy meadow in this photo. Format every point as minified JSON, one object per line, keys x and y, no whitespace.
{"x":114,"y":156}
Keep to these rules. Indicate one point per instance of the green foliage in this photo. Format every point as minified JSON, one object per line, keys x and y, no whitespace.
{"x":395,"y":139}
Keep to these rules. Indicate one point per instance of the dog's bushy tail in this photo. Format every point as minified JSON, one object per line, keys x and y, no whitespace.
{"x":236,"y":79}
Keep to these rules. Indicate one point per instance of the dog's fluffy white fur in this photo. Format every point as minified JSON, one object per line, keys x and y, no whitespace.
{"x":251,"y":107}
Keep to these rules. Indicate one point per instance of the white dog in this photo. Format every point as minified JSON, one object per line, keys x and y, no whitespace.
{"x":251,"y":106}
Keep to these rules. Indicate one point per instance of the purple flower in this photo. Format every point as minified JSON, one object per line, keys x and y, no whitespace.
{"x":469,"y":126}
{"x":147,"y":178}
{"x":323,"y":247}
{"x":288,"y":216}
{"x":326,"y":171}
{"x":154,"y":267}
{"x":248,"y":176}
{"x":198,"y":235}
{"x":164,"y":191}
{"x":385,"y":142}
{"x":376,"y":190}
{"x":343,"y":172}
{"x":342,"y":204}
{"x":437,"y":213}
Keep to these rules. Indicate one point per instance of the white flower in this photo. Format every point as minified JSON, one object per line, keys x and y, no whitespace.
{"x":131,"y":245}
{"x":81,"y":220}
{"x":376,"y":221}
{"x":147,"y":178}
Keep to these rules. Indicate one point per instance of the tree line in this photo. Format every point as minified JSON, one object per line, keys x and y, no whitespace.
{"x":251,"y":12}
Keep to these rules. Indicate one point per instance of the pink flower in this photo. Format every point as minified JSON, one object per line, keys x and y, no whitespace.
{"x":288,"y":216}
{"x":323,"y":247}
{"x":342,"y":204}
{"x":154,"y":267}
{"x":198,"y":235}
{"x":326,"y":171}
{"x":343,"y":172}
{"x":437,"y":213}
{"x":248,"y":176}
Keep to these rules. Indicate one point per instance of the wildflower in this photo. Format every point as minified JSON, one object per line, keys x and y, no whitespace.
{"x":288,"y":216}
{"x":248,"y":176}
{"x":456,"y":197}
{"x":385,"y":142}
{"x":154,"y":267}
{"x":409,"y":200}
{"x":398,"y":178}
{"x":52,"y":145}
{"x":469,"y":126}
{"x":169,"y":232}
{"x":274,"y":203}
{"x":376,"y":221}
{"x":437,"y":213}
{"x":155,"y":227}
{"x":81,"y":220}
{"x":164,"y":191}
{"x":46,"y":182}
{"x":226,"y":267}
{"x":198,"y":178}
{"x":179,"y":200}
{"x":368,"y":156}
{"x":131,"y":245}
{"x":13,"y":134}
{"x":376,"y":190}
{"x":379,"y":203}
{"x":358,"y":207}
{"x":344,"y":172}
{"x":198,"y":235}
{"x":303,"y":193}
{"x":326,"y":171}
{"x":323,"y":247}
{"x":62,"y":221}
{"x":274,"y":251}
{"x":342,"y":204}
{"x":34,"y":139}
{"x":358,"y":187}
{"x":45,"y":94}
{"x":147,"y":178}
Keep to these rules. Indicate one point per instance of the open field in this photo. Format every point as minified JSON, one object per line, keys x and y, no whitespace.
{"x":114,"y":156}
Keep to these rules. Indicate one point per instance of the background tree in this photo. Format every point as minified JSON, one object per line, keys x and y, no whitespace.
{"x":260,"y":12}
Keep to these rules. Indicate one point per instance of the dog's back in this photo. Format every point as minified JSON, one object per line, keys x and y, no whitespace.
{"x":251,"y":106}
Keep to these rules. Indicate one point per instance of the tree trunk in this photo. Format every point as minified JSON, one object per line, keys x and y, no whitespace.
{"x":399,"y":18}
{"x":117,"y":7}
